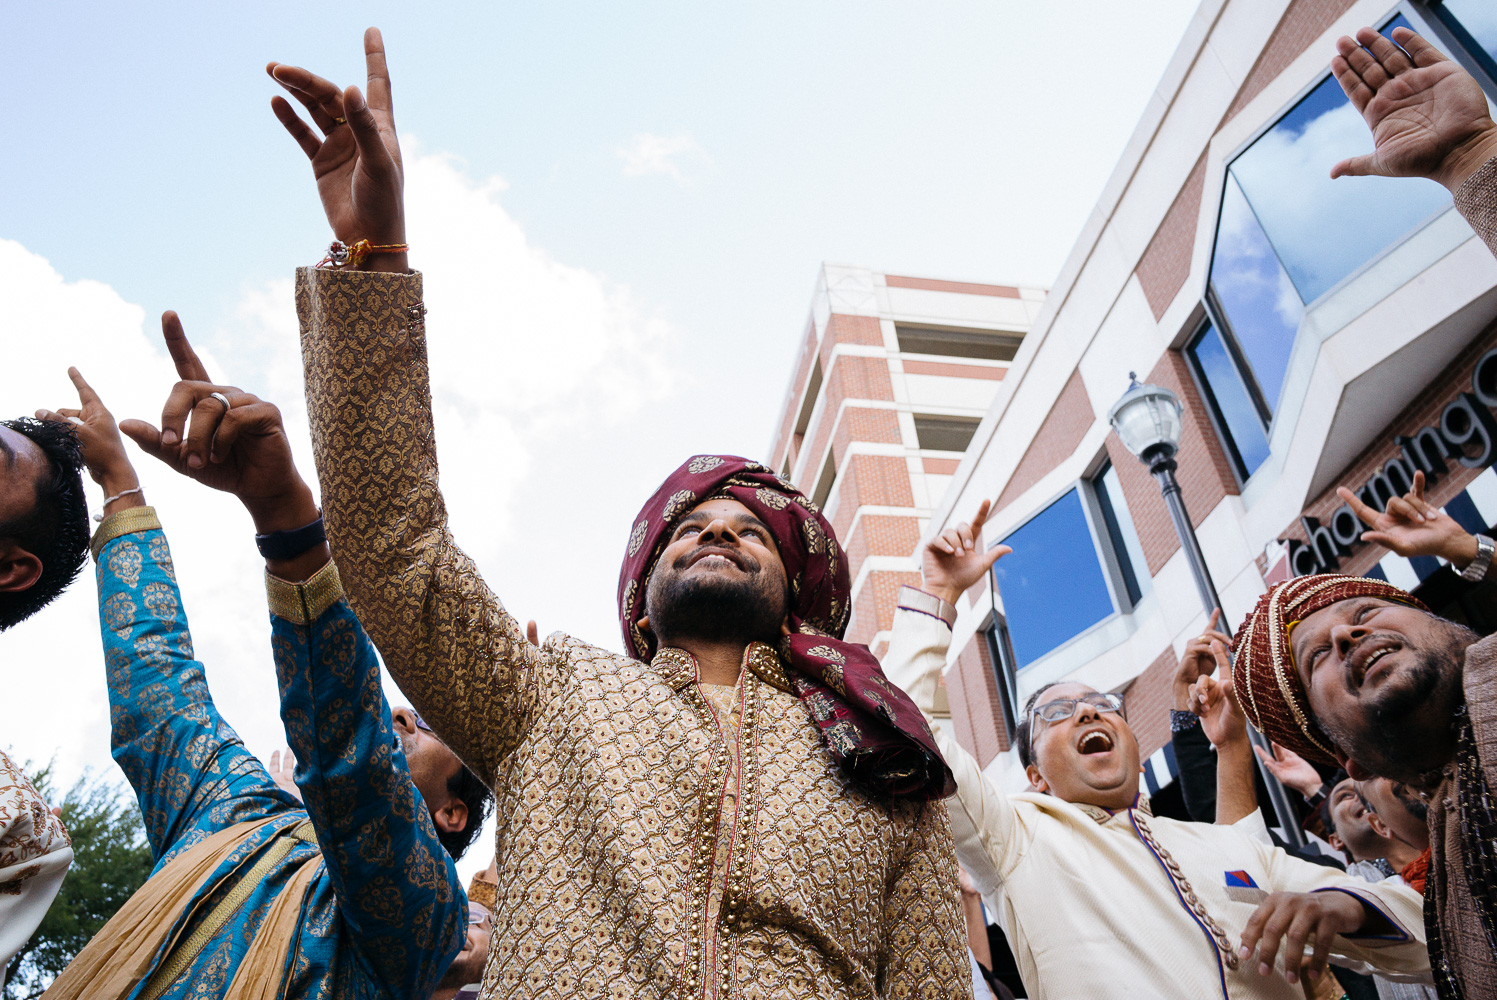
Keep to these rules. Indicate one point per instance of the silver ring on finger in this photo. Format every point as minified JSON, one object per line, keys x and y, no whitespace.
{"x":222,"y":399}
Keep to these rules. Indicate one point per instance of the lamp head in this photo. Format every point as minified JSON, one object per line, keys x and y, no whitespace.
{"x":1147,"y":421}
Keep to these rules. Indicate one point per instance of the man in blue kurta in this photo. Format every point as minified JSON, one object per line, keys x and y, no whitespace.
{"x":255,"y":894}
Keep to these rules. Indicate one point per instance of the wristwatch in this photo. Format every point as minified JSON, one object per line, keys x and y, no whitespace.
{"x":1477,"y":571}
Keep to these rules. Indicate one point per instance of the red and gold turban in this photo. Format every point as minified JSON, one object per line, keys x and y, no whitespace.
{"x":1268,"y":685}
{"x":868,"y":725}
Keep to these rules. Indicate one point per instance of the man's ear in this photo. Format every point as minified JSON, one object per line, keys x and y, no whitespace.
{"x":19,"y":569}
{"x":451,"y":818}
{"x":1378,"y":826}
{"x":644,"y":624}
{"x":1334,"y":839}
{"x":1036,"y":779}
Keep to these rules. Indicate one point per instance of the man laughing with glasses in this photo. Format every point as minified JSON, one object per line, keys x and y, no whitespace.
{"x":1098,"y":896}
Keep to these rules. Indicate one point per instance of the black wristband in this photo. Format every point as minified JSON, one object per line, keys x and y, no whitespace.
{"x":290,"y":544}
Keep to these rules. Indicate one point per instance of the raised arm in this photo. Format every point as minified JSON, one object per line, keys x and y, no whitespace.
{"x":395,"y":884}
{"x":988,"y":837}
{"x":447,"y":640}
{"x":189,"y":769}
{"x":1428,"y":119}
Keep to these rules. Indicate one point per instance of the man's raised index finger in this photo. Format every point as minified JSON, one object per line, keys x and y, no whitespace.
{"x":85,"y":391}
{"x":379,"y":71}
{"x":189,"y":367}
{"x":1358,"y":507}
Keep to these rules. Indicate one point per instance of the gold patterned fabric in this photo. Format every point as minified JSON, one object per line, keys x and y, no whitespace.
{"x":643,"y":849}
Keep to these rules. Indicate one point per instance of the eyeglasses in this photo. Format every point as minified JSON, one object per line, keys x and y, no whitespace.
{"x":1064,"y":708}
{"x":421,"y":723}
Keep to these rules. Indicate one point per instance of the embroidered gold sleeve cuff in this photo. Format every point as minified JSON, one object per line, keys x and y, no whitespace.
{"x":303,"y":603}
{"x":915,"y":599}
{"x":126,"y":522}
{"x":483,"y":892}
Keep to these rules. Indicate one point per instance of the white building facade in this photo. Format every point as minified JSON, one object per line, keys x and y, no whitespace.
{"x":1318,"y":332}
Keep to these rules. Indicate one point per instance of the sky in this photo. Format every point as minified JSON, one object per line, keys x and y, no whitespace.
{"x":620,"y":210}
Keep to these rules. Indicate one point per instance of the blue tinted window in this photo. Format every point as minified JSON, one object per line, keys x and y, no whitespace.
{"x":1229,"y":397}
{"x":1479,"y":19}
{"x":1052,"y":583}
{"x":1322,"y":229}
{"x":1125,"y":542}
{"x":1255,"y":292}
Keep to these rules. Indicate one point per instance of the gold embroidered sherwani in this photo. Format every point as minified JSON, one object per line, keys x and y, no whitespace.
{"x":651,"y":843}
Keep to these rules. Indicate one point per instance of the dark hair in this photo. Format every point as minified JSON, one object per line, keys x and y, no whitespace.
{"x":55,"y":529}
{"x":465,"y":786}
{"x":1023,"y":738}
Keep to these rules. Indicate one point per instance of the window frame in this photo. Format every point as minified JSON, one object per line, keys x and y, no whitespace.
{"x":1224,"y":435}
{"x":1459,"y":44}
{"x":1426,"y":20}
{"x":1102,"y":547}
{"x":1127,"y":573}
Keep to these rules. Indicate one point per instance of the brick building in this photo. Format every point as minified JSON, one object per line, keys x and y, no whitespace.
{"x":1319,"y":333}
{"x":891,"y":380}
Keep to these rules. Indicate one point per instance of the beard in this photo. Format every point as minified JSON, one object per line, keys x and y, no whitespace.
{"x":712,"y":608}
{"x":1406,"y":726}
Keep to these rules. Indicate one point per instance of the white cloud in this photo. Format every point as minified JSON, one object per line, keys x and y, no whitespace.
{"x":658,"y":154}
{"x":529,"y":358}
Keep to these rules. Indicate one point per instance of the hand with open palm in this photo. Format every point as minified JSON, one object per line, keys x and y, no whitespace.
{"x":1428,"y":116}
{"x":356,"y":160}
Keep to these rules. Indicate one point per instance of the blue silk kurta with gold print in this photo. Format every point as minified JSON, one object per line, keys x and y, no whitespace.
{"x":385,"y":914}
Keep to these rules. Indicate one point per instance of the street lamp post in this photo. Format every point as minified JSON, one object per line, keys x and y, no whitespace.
{"x":1147,"y":421}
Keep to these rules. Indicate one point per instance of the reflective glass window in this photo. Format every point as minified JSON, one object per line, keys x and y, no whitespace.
{"x":1052,"y":584}
{"x":1255,"y":292}
{"x":1236,"y":414}
{"x":1479,"y":20}
{"x":1325,"y":229}
{"x":1128,"y":550}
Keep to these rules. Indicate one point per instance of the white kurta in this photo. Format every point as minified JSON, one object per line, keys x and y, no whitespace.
{"x":34,"y":856}
{"x":1088,"y":907}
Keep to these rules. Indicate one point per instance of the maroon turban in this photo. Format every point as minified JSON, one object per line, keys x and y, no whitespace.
{"x":869,"y":726}
{"x":1269,"y":688}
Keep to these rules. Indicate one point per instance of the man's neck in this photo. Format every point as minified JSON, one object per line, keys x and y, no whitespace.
{"x":1400,"y":854}
{"x":717,"y":662}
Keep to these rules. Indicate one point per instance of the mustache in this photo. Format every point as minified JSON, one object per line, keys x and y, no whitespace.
{"x":743,"y":560}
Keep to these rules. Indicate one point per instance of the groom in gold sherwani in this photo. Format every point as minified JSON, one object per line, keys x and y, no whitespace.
{"x":744,"y":806}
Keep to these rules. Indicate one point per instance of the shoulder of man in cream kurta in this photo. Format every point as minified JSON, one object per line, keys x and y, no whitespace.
{"x":34,"y":856}
{"x":626,"y":815}
{"x":1043,"y":860}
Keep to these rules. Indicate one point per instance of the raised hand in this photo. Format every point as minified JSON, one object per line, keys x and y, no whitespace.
{"x":1411,"y":526}
{"x":1198,"y":660}
{"x":1428,"y":116}
{"x":99,"y":443}
{"x":1215,"y":701}
{"x":240,"y":448}
{"x":1292,"y":770}
{"x":356,"y":160}
{"x":283,"y":772}
{"x":954,"y":560}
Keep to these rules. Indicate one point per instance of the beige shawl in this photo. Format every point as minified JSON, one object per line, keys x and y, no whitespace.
{"x":123,"y":952}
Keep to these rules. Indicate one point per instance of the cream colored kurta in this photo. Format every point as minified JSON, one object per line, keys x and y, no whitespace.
{"x":1088,"y":907}
{"x":655,"y":839}
{"x":34,"y":856}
